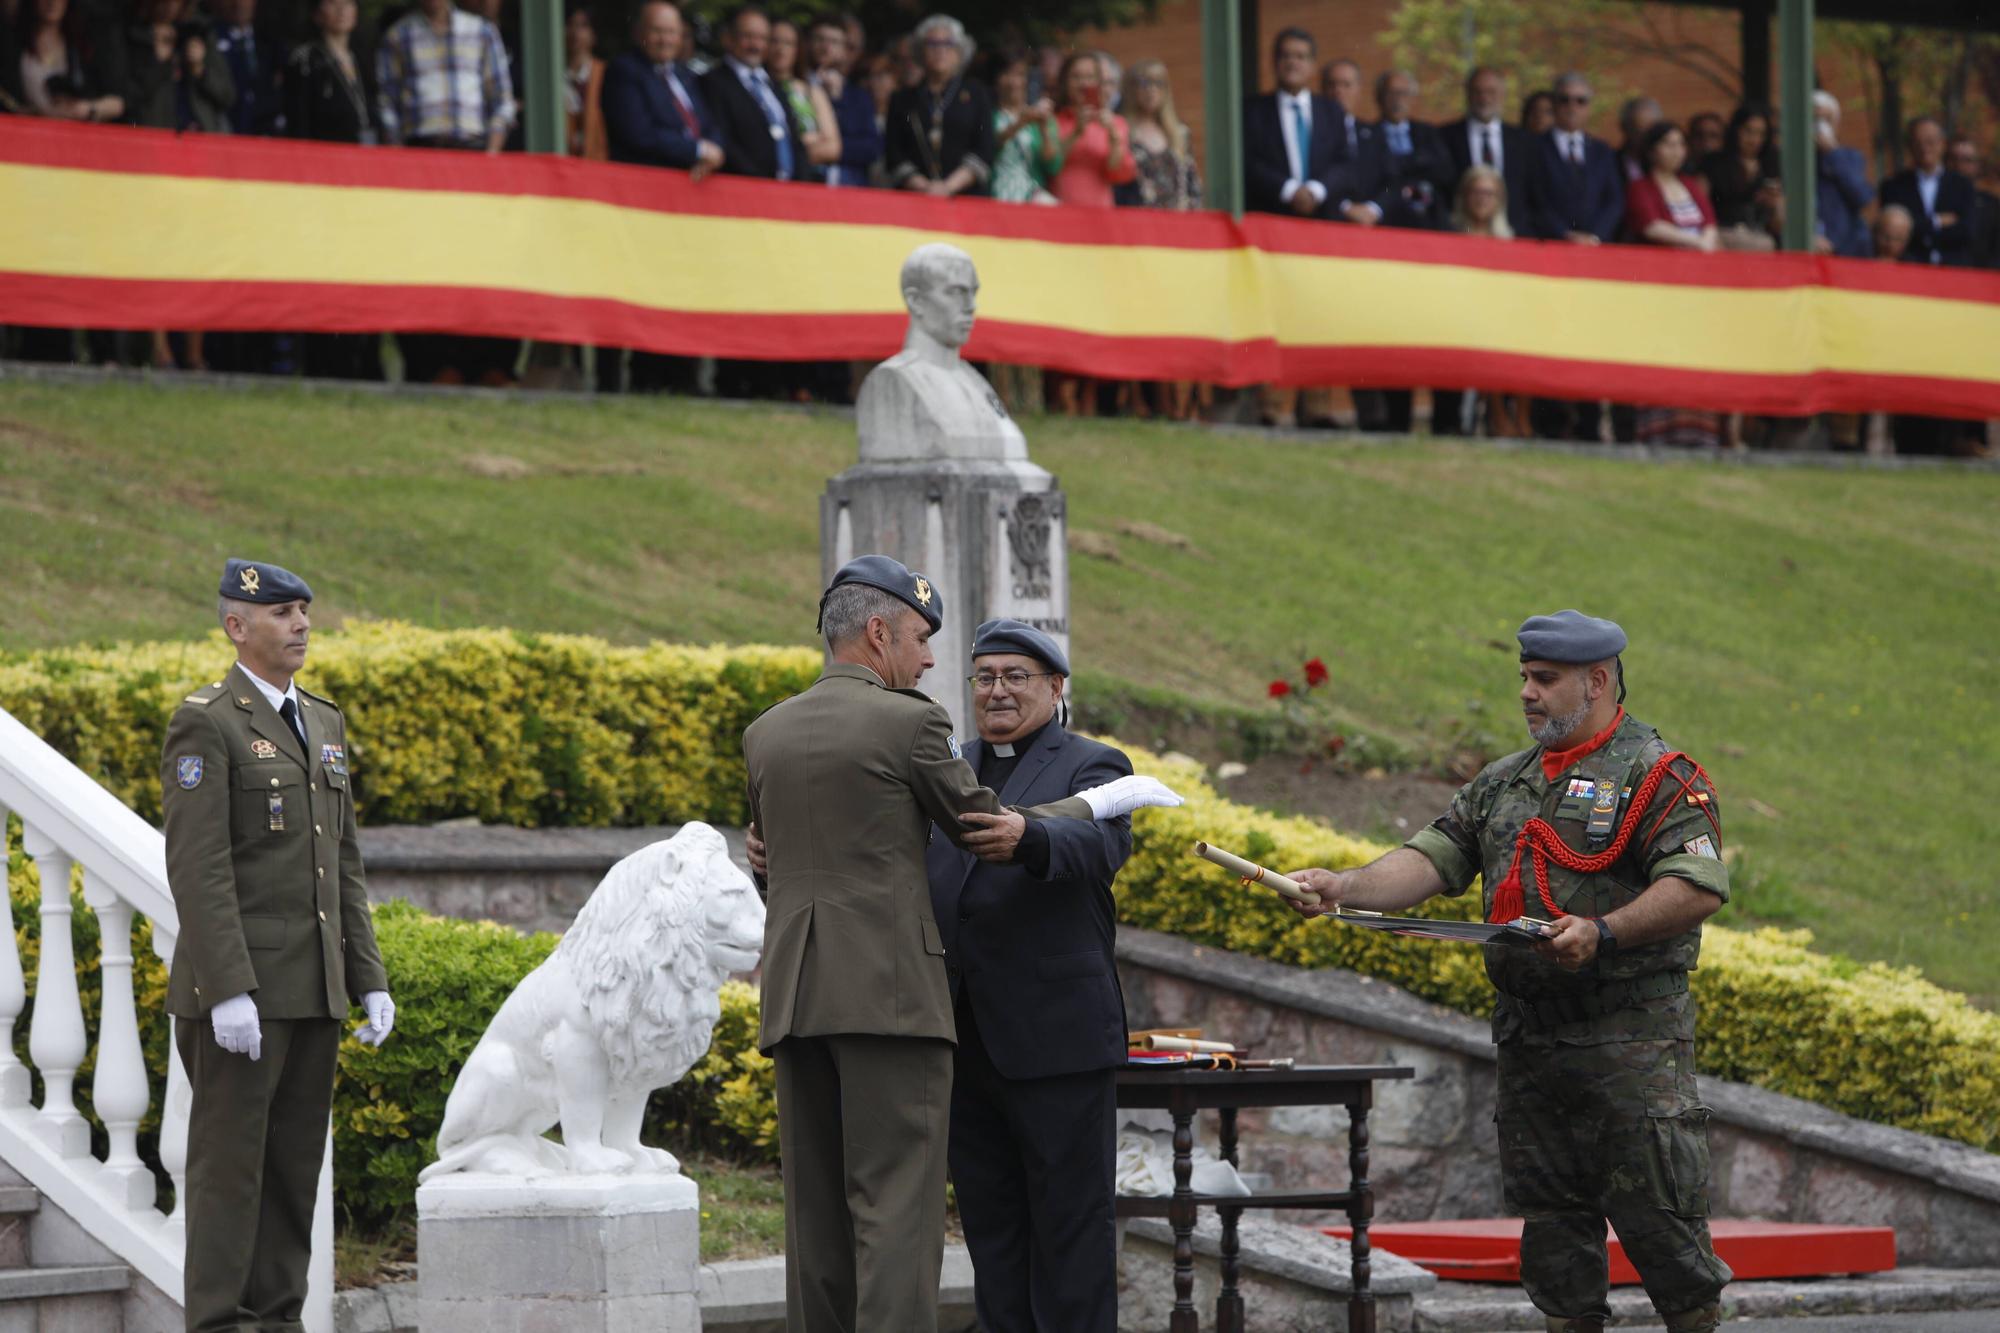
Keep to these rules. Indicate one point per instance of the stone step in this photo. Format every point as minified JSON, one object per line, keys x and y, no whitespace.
{"x":28,"y":1284}
{"x":16,"y":1199}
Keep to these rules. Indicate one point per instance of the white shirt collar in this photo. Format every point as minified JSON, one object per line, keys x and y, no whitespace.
{"x":744,"y":72}
{"x":272,"y":694}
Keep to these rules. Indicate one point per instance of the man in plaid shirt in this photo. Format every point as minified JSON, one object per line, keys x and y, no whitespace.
{"x":444,"y":80}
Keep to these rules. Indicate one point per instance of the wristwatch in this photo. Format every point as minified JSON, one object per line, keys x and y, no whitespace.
{"x":1606,"y":941}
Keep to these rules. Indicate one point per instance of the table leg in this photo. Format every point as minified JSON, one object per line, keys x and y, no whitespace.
{"x":1181,"y":1215}
{"x":1229,"y":1301}
{"x":1361,"y":1305}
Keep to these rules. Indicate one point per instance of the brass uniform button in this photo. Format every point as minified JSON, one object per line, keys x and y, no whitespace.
{"x":322,"y":872}
{"x":322,"y":916}
{"x":317,"y":829}
{"x":274,"y":782}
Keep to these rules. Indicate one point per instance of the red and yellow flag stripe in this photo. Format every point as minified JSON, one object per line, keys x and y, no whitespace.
{"x":124,"y":228}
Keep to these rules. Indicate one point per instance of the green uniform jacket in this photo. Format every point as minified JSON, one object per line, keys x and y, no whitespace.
{"x":845,"y":782}
{"x":1475,"y":839}
{"x":263,"y":859}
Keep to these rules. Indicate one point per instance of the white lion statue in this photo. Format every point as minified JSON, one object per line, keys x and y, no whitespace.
{"x":626,"y":1004}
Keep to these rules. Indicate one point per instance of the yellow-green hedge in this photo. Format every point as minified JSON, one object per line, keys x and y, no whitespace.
{"x":513,"y":728}
{"x":548,"y":729}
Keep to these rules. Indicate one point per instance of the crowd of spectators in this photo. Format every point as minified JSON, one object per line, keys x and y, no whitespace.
{"x":927,"y":112}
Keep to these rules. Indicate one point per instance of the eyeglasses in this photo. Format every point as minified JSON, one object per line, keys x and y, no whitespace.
{"x":1015,"y":680}
{"x":1574,"y":99}
{"x":940,"y":42}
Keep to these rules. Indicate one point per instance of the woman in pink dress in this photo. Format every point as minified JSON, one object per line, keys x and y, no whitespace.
{"x":1086,"y":152}
{"x":1091,"y":149}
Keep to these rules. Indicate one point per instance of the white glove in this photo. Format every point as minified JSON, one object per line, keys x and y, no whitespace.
{"x":236,"y":1029}
{"x":1123,"y":795}
{"x":381,"y":1011}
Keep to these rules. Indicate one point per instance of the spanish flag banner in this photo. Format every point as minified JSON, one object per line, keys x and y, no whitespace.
{"x":125,"y":228}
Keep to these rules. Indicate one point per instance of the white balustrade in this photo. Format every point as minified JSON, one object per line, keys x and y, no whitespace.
{"x":179,"y":1099}
{"x":118,"y":1091}
{"x":16,"y":1084}
{"x":56,"y":1039}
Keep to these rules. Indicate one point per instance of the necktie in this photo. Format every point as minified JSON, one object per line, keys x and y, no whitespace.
{"x":1353,"y":139}
{"x":1399,"y":139}
{"x":1302,"y":132}
{"x":290,"y":712}
{"x":1576,"y":149}
{"x":775,"y":114}
{"x":688,"y":119}
{"x":1489,"y":140}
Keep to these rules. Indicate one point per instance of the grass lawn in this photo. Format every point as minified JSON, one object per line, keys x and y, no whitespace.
{"x":1827,"y":642}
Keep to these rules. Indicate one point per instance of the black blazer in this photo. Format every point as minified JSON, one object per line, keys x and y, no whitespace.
{"x":1414,"y":190}
{"x":321,"y":102}
{"x":1928,"y":243}
{"x":965,"y":134}
{"x":1035,"y":955}
{"x":1266,"y":169}
{"x":642,"y":120}
{"x":748,"y":148}
{"x":1517,"y":156}
{"x":1570,"y":198}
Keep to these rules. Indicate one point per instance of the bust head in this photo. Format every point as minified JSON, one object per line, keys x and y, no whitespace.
{"x":941,"y":289}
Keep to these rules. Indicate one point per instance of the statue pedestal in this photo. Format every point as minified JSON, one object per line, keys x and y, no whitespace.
{"x":595,"y":1253}
{"x":990,"y":533}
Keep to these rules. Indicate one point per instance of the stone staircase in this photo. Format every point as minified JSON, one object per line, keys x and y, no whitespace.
{"x":55,"y":1279}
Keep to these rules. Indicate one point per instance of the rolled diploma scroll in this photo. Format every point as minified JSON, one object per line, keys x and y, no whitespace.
{"x":1154,"y":1041}
{"x":1257,"y":874}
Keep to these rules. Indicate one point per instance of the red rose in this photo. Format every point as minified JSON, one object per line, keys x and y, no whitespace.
{"x":1280,"y":688}
{"x":1316,"y":673}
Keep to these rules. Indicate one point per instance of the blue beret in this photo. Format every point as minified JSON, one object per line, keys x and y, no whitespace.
{"x":255,"y":581}
{"x":1569,"y":636}
{"x":895,"y":578}
{"x":1017,"y":636}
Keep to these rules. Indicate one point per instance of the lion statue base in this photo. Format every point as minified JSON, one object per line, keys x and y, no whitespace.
{"x":627,"y":1003}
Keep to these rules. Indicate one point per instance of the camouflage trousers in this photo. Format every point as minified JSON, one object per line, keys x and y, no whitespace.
{"x":1614,"y":1131}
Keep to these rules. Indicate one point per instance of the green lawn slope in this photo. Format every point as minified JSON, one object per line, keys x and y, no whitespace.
{"x":1826,"y":641}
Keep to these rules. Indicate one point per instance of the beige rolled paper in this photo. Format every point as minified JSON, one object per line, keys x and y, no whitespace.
{"x":1154,"y":1041}
{"x":1257,"y":874}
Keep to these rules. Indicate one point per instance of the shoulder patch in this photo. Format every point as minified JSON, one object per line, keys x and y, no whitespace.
{"x":187,"y":771}
{"x":1701,"y":846}
{"x":952,"y":741}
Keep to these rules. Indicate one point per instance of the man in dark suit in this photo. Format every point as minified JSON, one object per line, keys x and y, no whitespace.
{"x":1982,"y":223}
{"x":1295,"y":158}
{"x":1041,"y":1019}
{"x":1412,"y":191}
{"x":653,"y":110}
{"x":1579,"y":196}
{"x":1483,"y":138}
{"x":1940,"y":200}
{"x":1341,"y":82}
{"x":1295,"y":162}
{"x":253,"y":68}
{"x":759,"y":136}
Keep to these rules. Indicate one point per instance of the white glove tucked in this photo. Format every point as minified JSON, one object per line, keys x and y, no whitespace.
{"x":236,"y":1028}
{"x":381,"y":1011}
{"x":1124,"y":795}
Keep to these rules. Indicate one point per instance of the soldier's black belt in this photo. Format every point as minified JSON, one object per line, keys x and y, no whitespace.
{"x":1562,"y":1010}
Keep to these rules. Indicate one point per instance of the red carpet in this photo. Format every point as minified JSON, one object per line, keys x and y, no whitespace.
{"x":1488,"y":1249}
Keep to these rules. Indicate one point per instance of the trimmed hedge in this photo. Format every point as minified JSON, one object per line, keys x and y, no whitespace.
{"x":539,"y":729}
{"x":512,"y":728}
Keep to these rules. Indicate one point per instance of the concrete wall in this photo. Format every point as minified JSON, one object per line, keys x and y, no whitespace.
{"x":1774,"y":1157}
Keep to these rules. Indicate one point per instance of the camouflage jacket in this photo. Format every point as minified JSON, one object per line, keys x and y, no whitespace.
{"x":1475,"y":838}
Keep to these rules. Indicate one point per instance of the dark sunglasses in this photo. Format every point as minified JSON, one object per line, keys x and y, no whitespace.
{"x":1574,"y":99}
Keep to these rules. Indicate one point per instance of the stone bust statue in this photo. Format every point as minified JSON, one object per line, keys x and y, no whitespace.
{"x":924,"y":402}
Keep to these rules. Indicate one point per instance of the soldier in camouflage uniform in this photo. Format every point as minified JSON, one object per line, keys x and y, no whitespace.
{"x":1599,"y":1116}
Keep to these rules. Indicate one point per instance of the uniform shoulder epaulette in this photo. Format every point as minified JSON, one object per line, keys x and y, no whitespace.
{"x":319,"y":698}
{"x":916,"y":693}
{"x":208,"y":696}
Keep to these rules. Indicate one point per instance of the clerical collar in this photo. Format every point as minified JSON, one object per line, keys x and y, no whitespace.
{"x":1555,"y":761}
{"x":1008,"y":749}
{"x":1004,"y":750}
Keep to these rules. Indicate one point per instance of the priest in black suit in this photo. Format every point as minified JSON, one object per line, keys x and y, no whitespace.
{"x":1039,"y":1013}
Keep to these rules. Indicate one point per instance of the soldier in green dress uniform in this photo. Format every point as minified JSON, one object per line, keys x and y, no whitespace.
{"x":274,"y":938}
{"x":845,"y":781}
{"x":1602,"y":830}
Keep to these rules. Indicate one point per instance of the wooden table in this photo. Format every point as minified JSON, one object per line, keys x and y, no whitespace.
{"x":1181,"y":1093}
